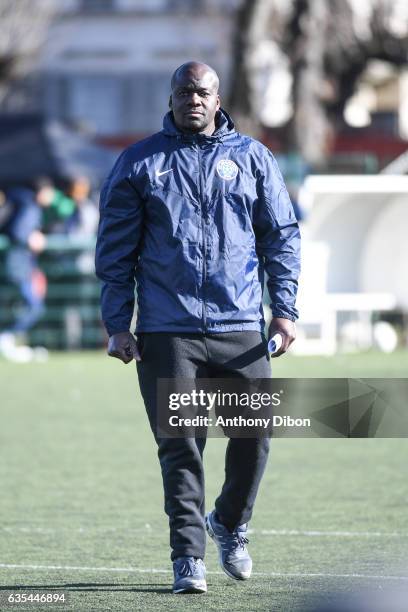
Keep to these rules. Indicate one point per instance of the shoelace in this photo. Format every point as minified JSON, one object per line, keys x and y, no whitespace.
{"x":187,"y":568}
{"x":233,"y":541}
{"x":242,"y":541}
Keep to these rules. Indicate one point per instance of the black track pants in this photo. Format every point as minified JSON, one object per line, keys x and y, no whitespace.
{"x":223,"y":355}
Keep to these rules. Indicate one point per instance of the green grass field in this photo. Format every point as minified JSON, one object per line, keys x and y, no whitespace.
{"x":81,"y":498}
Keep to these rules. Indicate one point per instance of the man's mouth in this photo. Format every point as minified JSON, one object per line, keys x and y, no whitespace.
{"x":194,"y":114}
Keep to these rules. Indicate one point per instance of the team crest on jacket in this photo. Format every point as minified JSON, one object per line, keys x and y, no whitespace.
{"x":227,"y":169}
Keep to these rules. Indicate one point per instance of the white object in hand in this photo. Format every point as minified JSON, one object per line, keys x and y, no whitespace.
{"x":275,"y":343}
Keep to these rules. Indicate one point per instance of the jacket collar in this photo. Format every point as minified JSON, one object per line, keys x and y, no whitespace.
{"x":225,"y":127}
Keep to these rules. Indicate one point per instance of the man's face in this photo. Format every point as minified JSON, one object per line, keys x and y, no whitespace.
{"x":45,"y":195}
{"x":195,"y":100}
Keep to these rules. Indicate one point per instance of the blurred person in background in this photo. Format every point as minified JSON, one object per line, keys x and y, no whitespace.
{"x":23,"y":227}
{"x":197,"y":212}
{"x":84,"y":221}
{"x":57,"y":208}
{"x":83,"y":224}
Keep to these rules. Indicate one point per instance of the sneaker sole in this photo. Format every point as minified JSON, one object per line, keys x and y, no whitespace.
{"x":191,"y":590}
{"x":224,"y":569}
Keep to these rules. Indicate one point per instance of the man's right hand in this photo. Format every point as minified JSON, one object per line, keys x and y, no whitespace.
{"x":123,"y":346}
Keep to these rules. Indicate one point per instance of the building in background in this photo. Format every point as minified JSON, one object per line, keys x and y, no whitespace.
{"x":106,"y":64}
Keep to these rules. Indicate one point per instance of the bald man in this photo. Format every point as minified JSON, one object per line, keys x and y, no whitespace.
{"x":194,"y":215}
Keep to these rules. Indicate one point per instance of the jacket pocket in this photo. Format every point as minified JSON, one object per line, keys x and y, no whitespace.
{"x":239,"y":235}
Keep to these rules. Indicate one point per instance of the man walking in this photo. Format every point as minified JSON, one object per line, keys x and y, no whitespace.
{"x":195,"y":214}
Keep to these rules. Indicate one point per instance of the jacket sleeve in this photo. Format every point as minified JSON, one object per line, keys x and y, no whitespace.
{"x":277,"y":238}
{"x":117,"y":246}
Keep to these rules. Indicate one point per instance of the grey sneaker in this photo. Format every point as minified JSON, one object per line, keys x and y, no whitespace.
{"x":189,"y":575}
{"x":232,"y":551}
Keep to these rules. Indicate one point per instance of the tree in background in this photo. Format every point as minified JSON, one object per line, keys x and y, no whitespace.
{"x":297,"y":63}
{"x":23,"y":25}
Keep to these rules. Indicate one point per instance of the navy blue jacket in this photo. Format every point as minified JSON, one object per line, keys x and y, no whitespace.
{"x":196,"y":220}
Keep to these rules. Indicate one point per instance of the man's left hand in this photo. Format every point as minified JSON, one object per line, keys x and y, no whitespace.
{"x":287,"y":329}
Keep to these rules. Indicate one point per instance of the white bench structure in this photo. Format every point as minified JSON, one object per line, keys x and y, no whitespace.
{"x":355,"y":256}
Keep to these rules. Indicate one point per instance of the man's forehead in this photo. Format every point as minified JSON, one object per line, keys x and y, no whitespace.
{"x":190,"y":79}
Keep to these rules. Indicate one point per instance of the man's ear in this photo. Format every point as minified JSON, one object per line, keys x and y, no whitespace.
{"x":170,"y":102}
{"x":218,"y":102}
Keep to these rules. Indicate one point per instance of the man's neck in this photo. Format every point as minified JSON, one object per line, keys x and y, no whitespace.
{"x":208,"y":131}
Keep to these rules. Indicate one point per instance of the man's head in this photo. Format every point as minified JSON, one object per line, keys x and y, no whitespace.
{"x":79,"y":189}
{"x":44,"y":191}
{"x":194,"y":97}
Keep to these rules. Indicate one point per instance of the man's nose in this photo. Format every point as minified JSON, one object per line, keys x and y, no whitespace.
{"x":194,"y":99}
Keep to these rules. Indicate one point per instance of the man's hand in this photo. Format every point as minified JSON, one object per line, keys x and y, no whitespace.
{"x":123,"y":346}
{"x":287,"y":329}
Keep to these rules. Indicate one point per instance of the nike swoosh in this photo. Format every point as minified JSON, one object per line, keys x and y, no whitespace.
{"x":158,"y":173}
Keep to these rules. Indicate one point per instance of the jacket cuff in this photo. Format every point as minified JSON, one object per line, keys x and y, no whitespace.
{"x":116,"y":329}
{"x":284,"y":315}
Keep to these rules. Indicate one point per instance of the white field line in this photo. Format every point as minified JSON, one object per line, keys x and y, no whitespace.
{"x":154,"y":570}
{"x":269,"y":532}
{"x":336,"y":534}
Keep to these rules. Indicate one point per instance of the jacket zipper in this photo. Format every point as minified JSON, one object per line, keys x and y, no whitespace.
{"x":203,"y":213}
